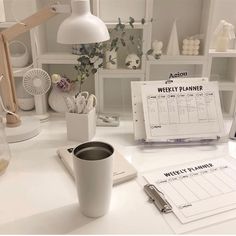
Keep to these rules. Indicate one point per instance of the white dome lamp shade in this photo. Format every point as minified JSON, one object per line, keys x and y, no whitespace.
{"x":81,"y":27}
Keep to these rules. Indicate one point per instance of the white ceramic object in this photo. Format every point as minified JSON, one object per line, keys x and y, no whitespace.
{"x":224,"y":32}
{"x":81,"y":127}
{"x":173,"y":45}
{"x":56,"y":100}
{"x":191,"y":47}
{"x":26,"y":104}
{"x":132,"y":61}
{"x":19,"y":54}
{"x":157,"y":47}
{"x":111,"y":55}
{"x":93,"y":166}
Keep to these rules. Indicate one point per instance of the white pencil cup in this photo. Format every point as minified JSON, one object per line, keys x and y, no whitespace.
{"x":93,"y":166}
{"x":81,"y":127}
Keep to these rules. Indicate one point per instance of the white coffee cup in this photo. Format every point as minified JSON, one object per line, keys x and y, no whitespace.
{"x":93,"y":166}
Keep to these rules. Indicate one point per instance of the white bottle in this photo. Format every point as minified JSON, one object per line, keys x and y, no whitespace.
{"x":222,"y":39}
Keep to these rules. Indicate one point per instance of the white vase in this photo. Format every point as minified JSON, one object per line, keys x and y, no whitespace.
{"x":111,"y":55}
{"x":56,"y":99}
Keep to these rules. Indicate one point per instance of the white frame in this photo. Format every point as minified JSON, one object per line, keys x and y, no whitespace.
{"x":99,"y":86}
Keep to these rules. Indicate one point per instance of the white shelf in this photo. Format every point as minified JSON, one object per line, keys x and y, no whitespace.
{"x":118,"y":72}
{"x":137,"y":25}
{"x":7,"y":24}
{"x":229,"y":53}
{"x":19,"y":72}
{"x":57,"y":58}
{"x":187,"y":60}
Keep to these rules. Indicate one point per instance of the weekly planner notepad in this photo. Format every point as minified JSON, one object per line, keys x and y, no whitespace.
{"x":200,"y":193}
{"x":177,"y":111}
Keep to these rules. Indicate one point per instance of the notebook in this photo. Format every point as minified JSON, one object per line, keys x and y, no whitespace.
{"x":123,"y":170}
{"x":177,"y":111}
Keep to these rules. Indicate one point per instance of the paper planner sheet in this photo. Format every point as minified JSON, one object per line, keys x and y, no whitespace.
{"x":182,"y":110}
{"x":197,"y":190}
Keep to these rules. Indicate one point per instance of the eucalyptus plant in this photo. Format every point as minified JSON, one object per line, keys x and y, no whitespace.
{"x":89,"y":61}
{"x":91,"y":55}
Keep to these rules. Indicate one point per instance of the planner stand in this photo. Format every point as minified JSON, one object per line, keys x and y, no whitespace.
{"x":140,"y":132}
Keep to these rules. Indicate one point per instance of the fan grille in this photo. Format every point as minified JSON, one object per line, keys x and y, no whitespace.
{"x":36,"y":81}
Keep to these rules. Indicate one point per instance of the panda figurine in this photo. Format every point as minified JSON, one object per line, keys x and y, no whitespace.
{"x":132,"y":61}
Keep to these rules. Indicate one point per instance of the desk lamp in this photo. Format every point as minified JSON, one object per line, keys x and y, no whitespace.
{"x":81,"y":27}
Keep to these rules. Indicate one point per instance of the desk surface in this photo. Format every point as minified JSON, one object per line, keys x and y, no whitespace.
{"x":38,"y":196}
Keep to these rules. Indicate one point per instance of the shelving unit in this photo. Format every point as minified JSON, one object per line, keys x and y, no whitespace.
{"x":112,"y":87}
{"x":222,"y":65}
{"x":193,"y":17}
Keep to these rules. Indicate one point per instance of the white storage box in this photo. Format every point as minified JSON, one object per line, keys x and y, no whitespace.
{"x":81,"y":127}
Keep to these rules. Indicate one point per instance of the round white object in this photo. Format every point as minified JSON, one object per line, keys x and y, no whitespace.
{"x":157,"y":45}
{"x":196,"y":42}
{"x":132,"y":61}
{"x":19,"y":54}
{"x":185,"y":47}
{"x":185,"y":41}
{"x":29,"y":128}
{"x":26,"y":104}
{"x":190,"y":52}
{"x":36,"y":81}
{"x":191,"y":42}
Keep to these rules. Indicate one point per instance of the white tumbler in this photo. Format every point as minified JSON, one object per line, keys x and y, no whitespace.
{"x":93,"y":166}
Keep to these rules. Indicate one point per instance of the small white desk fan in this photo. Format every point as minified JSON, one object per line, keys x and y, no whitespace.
{"x":37,"y":82}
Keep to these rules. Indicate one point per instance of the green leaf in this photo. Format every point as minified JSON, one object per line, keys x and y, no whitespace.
{"x":157,"y":56}
{"x":94,"y":70}
{"x":100,"y":65}
{"x":123,"y":42}
{"x":150,"y":51}
{"x":131,"y":19}
{"x":122,"y":26}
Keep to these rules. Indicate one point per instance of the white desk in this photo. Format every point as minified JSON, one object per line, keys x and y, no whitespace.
{"x":38,"y":196}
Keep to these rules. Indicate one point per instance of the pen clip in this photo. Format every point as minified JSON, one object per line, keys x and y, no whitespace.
{"x":158,"y":198}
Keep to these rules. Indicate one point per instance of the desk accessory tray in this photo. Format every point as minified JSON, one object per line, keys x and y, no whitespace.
{"x":108,"y":120}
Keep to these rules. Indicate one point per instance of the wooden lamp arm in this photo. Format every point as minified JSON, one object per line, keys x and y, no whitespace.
{"x":25,"y":25}
{"x":7,"y":84}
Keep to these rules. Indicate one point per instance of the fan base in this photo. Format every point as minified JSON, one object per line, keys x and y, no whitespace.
{"x":29,"y":128}
{"x":43,"y":117}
